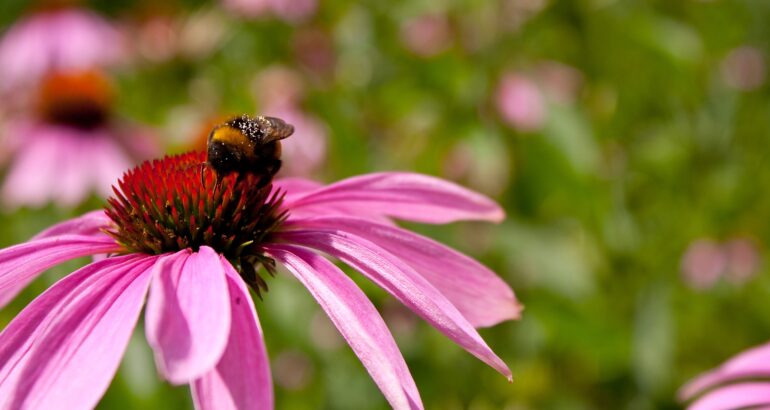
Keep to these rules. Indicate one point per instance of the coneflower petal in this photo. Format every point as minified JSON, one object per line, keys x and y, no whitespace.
{"x":403,"y":195}
{"x":477,"y":292}
{"x":242,"y":378}
{"x":295,"y":187}
{"x":401,"y":281}
{"x":30,"y":177}
{"x":753,"y":363}
{"x":739,"y":396}
{"x":358,"y":321}
{"x":20,"y":264}
{"x":64,"y":348}
{"x":88,"y":224}
{"x":188,"y":314}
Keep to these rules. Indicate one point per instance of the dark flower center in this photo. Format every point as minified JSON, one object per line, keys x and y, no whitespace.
{"x":76,"y":99}
{"x":178,"y":203}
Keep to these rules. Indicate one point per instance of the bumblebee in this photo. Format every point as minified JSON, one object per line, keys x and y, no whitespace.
{"x":247,"y":145}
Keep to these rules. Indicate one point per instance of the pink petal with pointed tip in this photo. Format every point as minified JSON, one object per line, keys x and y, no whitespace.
{"x":20,"y":264}
{"x":64,"y":348}
{"x":754,"y":362}
{"x":188,"y":314}
{"x":477,"y":292}
{"x":358,"y":321}
{"x":407,"y":196}
{"x":242,"y":378}
{"x":401,"y":281}
{"x":738,"y":396}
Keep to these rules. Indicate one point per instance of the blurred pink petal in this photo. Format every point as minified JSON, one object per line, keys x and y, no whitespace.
{"x":80,"y":327}
{"x":59,"y":40}
{"x":753,"y":363}
{"x":755,"y":395}
{"x":20,"y":264}
{"x":305,"y":151}
{"x":357,"y":320}
{"x":477,"y":292}
{"x":188,"y":314}
{"x":407,"y":196}
{"x":64,"y":165}
{"x":241,"y":379}
{"x":521,"y":103}
{"x":279,"y":87}
{"x":401,"y":281}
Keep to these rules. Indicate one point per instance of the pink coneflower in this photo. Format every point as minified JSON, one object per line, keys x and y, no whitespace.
{"x":191,"y":242}
{"x":57,"y":40}
{"x":521,"y":103}
{"x":69,"y":145}
{"x":427,"y":35}
{"x":705,"y":262}
{"x":741,"y":382}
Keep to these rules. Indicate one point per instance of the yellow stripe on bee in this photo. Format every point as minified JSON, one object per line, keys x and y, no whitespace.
{"x":233,"y":137}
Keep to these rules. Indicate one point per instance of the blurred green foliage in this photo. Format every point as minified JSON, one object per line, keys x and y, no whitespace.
{"x":654,"y":148}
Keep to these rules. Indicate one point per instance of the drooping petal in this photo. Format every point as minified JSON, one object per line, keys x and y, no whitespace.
{"x":88,"y":224}
{"x":407,"y":196}
{"x":242,"y":378}
{"x":401,"y":281}
{"x":753,"y":363}
{"x":22,"y":263}
{"x":188,"y":314}
{"x":738,"y":396}
{"x":477,"y":292}
{"x":64,"y":348}
{"x":358,"y":321}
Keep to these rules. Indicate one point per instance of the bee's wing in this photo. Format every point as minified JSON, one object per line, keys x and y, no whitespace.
{"x":276,"y":129}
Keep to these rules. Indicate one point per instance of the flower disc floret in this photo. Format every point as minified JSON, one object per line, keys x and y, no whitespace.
{"x":178,"y":203}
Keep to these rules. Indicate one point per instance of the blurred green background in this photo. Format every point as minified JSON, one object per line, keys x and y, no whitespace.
{"x":627,"y":141}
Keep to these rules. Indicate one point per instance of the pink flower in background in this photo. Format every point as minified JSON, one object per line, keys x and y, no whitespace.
{"x":68,"y":39}
{"x":190,"y":244}
{"x":293,"y":11}
{"x":741,"y":382}
{"x":743,"y":259}
{"x":69,"y":145}
{"x":305,"y":151}
{"x":744,"y":68}
{"x":281,"y":90}
{"x":705,"y":262}
{"x":427,"y":35}
{"x":521,"y":103}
